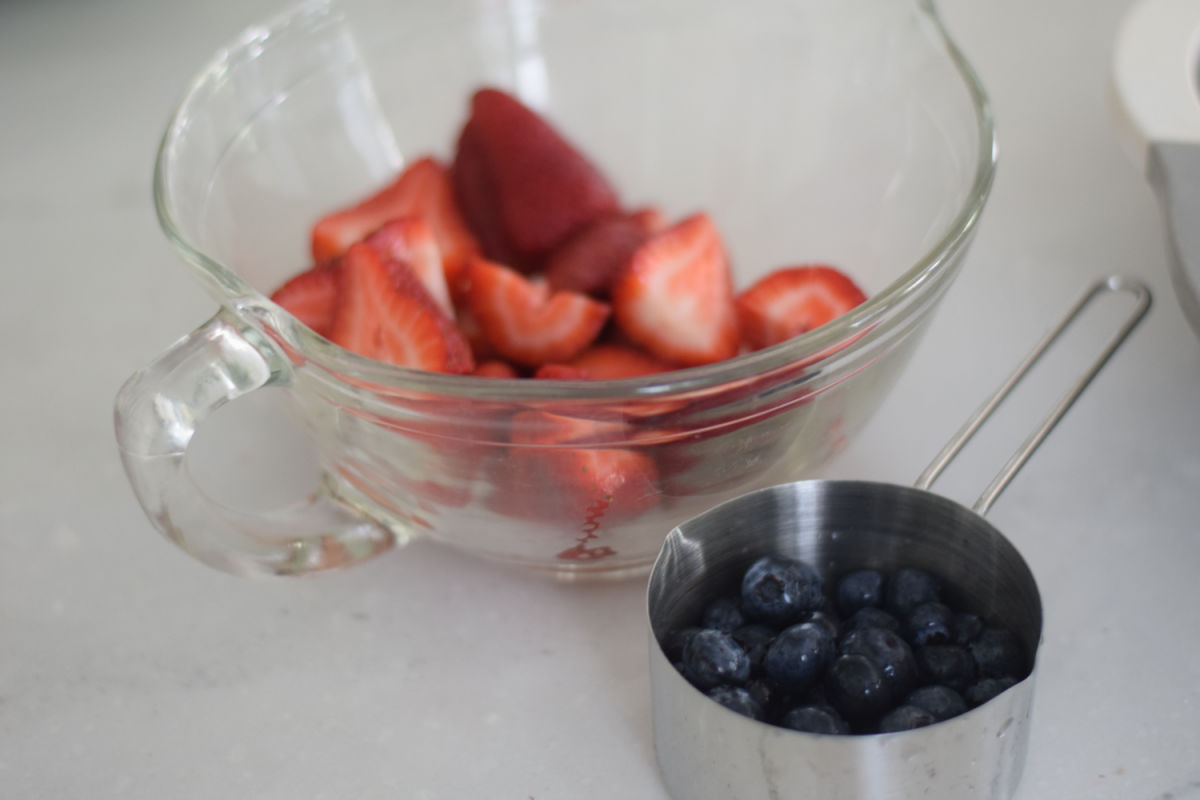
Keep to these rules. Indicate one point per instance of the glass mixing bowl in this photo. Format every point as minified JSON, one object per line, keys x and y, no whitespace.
{"x":848,"y":132}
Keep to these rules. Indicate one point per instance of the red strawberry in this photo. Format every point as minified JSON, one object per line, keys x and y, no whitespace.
{"x":611,"y":361}
{"x":475,"y":191}
{"x":591,"y":259}
{"x":472,"y":331}
{"x":384,"y":312}
{"x":676,"y":296}
{"x":602,"y":362}
{"x":562,"y":372}
{"x":311,"y":297}
{"x":650,"y":218}
{"x":409,"y":240}
{"x":495,"y":369}
{"x":591,"y":478}
{"x":422,"y":189}
{"x":522,"y":187}
{"x":794,"y":300}
{"x":524,"y":321}
{"x":553,"y":428}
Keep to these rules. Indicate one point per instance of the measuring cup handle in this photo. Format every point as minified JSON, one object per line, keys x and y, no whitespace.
{"x":157,"y":413}
{"x":1141,"y":296}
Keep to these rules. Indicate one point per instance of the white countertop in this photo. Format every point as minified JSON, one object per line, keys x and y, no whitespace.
{"x":129,"y":671}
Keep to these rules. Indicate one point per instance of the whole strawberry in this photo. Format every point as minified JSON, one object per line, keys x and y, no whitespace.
{"x":522,"y":187}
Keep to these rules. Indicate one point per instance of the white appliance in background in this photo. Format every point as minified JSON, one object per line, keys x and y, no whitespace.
{"x":1156,"y":103}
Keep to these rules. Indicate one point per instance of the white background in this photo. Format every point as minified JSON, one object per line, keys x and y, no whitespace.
{"x":129,"y":671}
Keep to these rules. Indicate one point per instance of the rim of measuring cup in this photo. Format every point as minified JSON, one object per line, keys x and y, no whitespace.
{"x":844,"y":335}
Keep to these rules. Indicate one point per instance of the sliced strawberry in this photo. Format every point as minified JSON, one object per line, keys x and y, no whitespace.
{"x":495,"y":368}
{"x":311,"y":297}
{"x":384,"y":312}
{"x":551,"y":428}
{"x":792,"y":301}
{"x":409,"y":240}
{"x":423,"y":189}
{"x":611,"y":361}
{"x":522,"y":187}
{"x":675,"y":298}
{"x":590,"y":260}
{"x":527,"y":323}
{"x":650,"y":219}
{"x":621,"y":478}
{"x":592,"y":481}
{"x":473,"y":332}
{"x":562,"y":372}
{"x":602,"y":362}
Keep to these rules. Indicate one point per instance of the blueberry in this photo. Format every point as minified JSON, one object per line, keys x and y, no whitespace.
{"x":780,"y":590}
{"x":872,"y":618}
{"x":909,"y":588}
{"x":856,"y":687}
{"x":905,"y":718}
{"x":979,"y":693}
{"x":965,"y":628}
{"x":712,"y":657}
{"x":998,"y":654}
{"x":814,"y":719}
{"x":940,"y":701}
{"x":766,"y":693}
{"x":948,"y":664}
{"x":724,"y":614}
{"x":861,"y":589}
{"x":798,"y":655}
{"x":675,"y":643}
{"x":890,"y":653}
{"x":930,"y":623}
{"x":827,"y":620}
{"x":815,"y":695}
{"x":738,"y":699}
{"x":755,"y":639}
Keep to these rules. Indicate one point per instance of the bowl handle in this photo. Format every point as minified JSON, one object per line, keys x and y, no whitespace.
{"x":157,"y":414}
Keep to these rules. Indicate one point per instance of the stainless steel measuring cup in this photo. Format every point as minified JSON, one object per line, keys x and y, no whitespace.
{"x":707,"y":751}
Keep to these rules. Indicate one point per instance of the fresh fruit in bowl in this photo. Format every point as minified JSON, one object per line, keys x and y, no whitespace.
{"x":601,"y":232}
{"x":525,"y":240}
{"x":554,"y":280}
